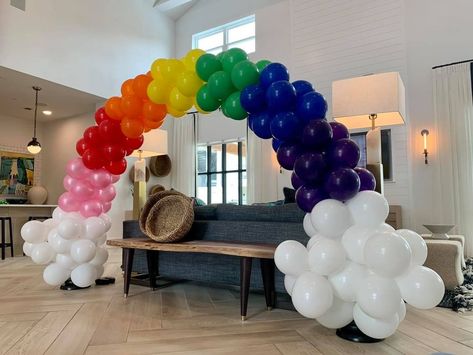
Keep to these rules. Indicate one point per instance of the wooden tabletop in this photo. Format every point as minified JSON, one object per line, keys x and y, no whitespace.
{"x":263,"y":251}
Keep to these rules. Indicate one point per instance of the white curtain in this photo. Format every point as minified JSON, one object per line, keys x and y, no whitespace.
{"x":183,"y":152}
{"x":454,"y":127}
{"x":263,"y":170}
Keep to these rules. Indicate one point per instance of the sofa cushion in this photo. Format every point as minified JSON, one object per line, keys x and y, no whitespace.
{"x":205,"y":213}
{"x":283,"y":213}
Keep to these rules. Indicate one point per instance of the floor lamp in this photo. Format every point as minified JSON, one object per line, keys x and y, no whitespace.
{"x":155,"y":143}
{"x":370,"y":101}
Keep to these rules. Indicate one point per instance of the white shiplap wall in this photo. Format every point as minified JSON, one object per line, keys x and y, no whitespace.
{"x":337,"y":39}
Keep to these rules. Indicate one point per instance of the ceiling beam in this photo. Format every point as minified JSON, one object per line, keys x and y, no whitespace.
{"x":166,"y":5}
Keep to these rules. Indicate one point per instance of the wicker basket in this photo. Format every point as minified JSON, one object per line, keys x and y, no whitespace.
{"x":152,"y":200}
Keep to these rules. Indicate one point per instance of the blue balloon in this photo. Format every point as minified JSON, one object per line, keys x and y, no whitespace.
{"x":276,"y":143}
{"x":288,"y":154}
{"x":302,"y":87}
{"x":261,"y":123}
{"x":311,"y":106}
{"x":344,"y":153}
{"x":310,"y":167}
{"x":342,"y":184}
{"x":281,"y":96}
{"x":253,"y":99}
{"x":285,"y":126}
{"x":273,"y":72}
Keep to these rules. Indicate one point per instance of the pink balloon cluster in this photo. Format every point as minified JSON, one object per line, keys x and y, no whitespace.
{"x":89,"y":192}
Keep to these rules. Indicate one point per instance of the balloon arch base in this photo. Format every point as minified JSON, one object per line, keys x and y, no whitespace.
{"x":351,"y":332}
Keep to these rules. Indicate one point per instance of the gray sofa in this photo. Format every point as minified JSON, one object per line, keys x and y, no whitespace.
{"x":257,"y":224}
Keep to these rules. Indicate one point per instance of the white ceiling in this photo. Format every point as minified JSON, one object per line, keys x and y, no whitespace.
{"x":174,"y":8}
{"x":16,"y":93}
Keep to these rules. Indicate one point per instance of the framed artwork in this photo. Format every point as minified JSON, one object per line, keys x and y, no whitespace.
{"x":16,"y":174}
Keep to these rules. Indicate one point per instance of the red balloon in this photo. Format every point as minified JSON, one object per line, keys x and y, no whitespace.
{"x":101,"y":115}
{"x":92,"y":136}
{"x":134,"y":143}
{"x":113,"y":152}
{"x":93,"y":159}
{"x":116,"y":167}
{"x":129,"y":151}
{"x":110,"y":131}
{"x":81,"y":146}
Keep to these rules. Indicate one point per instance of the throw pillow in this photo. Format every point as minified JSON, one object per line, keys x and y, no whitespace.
{"x":289,"y":195}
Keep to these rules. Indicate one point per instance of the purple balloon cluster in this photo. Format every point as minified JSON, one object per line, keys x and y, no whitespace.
{"x":321,"y":155}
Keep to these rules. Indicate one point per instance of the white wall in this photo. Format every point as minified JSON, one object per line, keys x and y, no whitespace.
{"x":89,"y":45}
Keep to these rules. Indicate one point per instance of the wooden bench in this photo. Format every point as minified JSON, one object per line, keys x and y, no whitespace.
{"x":246,"y":252}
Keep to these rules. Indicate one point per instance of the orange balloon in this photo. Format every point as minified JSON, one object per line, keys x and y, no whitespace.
{"x":113,"y":108}
{"x":154,"y":112}
{"x":127,"y":88}
{"x":140,"y":85}
{"x":131,"y":106}
{"x":147,"y":129}
{"x":153,"y":124}
{"x":132,"y":128}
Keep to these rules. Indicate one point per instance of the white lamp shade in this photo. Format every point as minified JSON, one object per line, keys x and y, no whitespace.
{"x":355,"y":99}
{"x":155,"y":143}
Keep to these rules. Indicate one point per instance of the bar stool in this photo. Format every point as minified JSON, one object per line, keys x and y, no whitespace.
{"x":3,"y":244}
{"x":38,"y":218}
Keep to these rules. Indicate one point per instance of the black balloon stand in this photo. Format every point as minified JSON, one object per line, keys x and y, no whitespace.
{"x":351,"y":332}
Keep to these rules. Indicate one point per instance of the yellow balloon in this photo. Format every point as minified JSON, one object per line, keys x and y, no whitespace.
{"x":197,"y":107}
{"x":173,"y":112}
{"x":179,"y":101}
{"x":191,"y":58}
{"x":155,"y":67}
{"x":170,"y":70}
{"x":189,"y":83}
{"x":158,"y":91}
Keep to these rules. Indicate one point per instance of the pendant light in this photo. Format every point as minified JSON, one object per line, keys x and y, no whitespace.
{"x":34,"y":147}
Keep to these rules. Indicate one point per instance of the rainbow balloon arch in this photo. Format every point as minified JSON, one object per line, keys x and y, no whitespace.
{"x":354,"y":267}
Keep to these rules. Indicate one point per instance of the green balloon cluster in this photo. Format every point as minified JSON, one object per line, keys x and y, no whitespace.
{"x":226,"y":75}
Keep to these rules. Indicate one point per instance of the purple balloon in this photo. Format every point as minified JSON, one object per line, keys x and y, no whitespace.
{"x":340,"y":131}
{"x":342,"y":184}
{"x":288,"y":154}
{"x":317,"y":134}
{"x":285,"y":126}
{"x":307,"y":197}
{"x":296,"y":181}
{"x":276,"y":143}
{"x":344,"y":153}
{"x":367,"y":179}
{"x":310,"y":167}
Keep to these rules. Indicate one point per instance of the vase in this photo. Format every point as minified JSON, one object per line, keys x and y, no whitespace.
{"x":37,"y":195}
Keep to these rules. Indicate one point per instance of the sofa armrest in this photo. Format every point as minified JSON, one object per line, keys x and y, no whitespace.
{"x":445,"y":258}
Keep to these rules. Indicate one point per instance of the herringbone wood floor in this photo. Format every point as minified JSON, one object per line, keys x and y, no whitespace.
{"x":186,"y":319}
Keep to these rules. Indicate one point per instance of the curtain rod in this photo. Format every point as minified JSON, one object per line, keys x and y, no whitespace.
{"x":455,"y":63}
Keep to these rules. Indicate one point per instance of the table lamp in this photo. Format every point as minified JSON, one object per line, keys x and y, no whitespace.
{"x":155,"y":143}
{"x":370,"y":101}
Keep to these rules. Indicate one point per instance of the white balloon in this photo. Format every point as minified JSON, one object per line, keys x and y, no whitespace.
{"x":312,"y":295}
{"x":33,"y":232}
{"x":28,"y":248}
{"x":291,"y":258}
{"x":42,"y":253}
{"x":60,"y":245}
{"x":58,"y":214}
{"x":378,"y":296}
{"x":313,"y":240}
{"x":421,"y":287}
{"x":339,"y":315}
{"x":326,"y":256}
{"x":101,"y":240}
{"x":70,"y":228}
{"x":83,"y":251}
{"x":417,"y":244}
{"x":66,"y":261}
{"x":100,"y":258}
{"x":402,"y":311}
{"x":55,"y":275}
{"x":308,"y":227}
{"x":387,"y":254}
{"x":368,"y":208}
{"x":84,"y":275}
{"x":331,"y":218}
{"x":100,"y":270}
{"x":289,"y":282}
{"x":345,"y":282}
{"x":75,"y":215}
{"x":108,"y":221}
{"x":374,"y":327}
{"x":94,"y":227}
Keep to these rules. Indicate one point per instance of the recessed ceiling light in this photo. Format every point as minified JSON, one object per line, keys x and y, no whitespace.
{"x":47,"y":112}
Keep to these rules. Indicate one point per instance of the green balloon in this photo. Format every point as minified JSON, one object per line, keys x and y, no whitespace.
{"x":232,"y":57}
{"x":262,"y":64}
{"x":206,"y":65}
{"x":220,"y":85}
{"x":232,"y":107}
{"x":244,"y":73}
{"x":206,"y":101}
{"x":220,"y":55}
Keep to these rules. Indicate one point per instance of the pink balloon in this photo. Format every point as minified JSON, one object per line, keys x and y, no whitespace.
{"x":106,"y":206}
{"x":68,"y":182}
{"x":100,"y":178}
{"x":115,"y":178}
{"x":82,"y":190}
{"x":91,"y":208}
{"x":106,"y":195}
{"x":76,"y":168}
{"x":68,"y":203}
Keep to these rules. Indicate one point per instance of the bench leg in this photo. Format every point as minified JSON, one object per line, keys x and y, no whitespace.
{"x":267,"y":271}
{"x":152,"y":259}
{"x":128,"y":256}
{"x":3,"y":239}
{"x":245,"y":276}
{"x":10,"y":229}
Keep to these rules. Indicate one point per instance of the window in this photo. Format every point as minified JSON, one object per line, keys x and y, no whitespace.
{"x":386,"y":157}
{"x":240,"y":33}
{"x":221,"y":173}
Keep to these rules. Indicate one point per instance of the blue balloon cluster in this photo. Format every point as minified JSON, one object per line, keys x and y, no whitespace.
{"x":321,"y":154}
